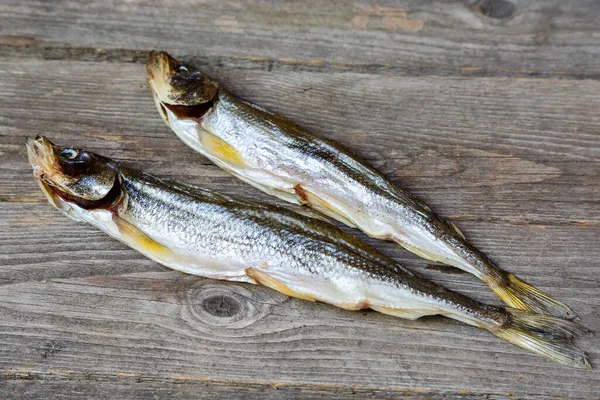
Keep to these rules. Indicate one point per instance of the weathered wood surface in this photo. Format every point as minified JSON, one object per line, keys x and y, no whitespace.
{"x":532,"y":38}
{"x":511,"y":152}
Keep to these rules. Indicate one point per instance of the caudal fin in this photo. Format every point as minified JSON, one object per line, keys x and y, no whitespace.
{"x":519,"y":294}
{"x":545,"y":335}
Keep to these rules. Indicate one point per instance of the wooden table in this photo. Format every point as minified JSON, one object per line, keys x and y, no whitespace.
{"x":489,"y":110}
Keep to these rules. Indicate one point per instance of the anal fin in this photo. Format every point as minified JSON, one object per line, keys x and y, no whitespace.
{"x":262,"y":278}
{"x":419,"y":252}
{"x":405,"y":313}
{"x":313,"y":201}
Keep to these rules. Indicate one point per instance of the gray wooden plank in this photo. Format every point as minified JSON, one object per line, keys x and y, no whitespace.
{"x":135,"y":386}
{"x":514,"y":161}
{"x":539,"y":38}
{"x":110,"y":321}
{"x":524,"y":151}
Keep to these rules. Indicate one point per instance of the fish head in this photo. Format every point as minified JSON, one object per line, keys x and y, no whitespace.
{"x":71,"y":176}
{"x":177,"y":86}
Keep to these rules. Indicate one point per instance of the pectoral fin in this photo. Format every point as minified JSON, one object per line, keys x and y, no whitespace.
{"x":262,"y":278}
{"x":139,"y":240}
{"x":221,"y":149}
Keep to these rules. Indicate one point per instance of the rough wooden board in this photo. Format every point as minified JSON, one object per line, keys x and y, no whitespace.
{"x":524,"y":151}
{"x":493,"y":149}
{"x":165,"y":326}
{"x":529,"y":203}
{"x":541,"y":38}
{"x":135,"y":387}
{"x":515,"y":161}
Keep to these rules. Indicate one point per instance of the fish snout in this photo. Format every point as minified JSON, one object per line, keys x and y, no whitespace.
{"x":40,"y":151}
{"x":160,"y":65}
{"x":160,"y":70}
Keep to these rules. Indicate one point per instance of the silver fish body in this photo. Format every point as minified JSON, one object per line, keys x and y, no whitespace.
{"x":204,"y":233}
{"x":201,"y":232}
{"x":281,"y":158}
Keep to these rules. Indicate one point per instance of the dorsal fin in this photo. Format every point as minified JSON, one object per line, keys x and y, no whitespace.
{"x":462,"y":235}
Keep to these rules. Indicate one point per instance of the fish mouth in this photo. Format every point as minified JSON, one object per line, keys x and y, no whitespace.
{"x":160,"y":106}
{"x":42,"y":158}
{"x":160,"y":67}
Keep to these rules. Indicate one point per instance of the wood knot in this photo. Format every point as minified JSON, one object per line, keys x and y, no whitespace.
{"x":215,"y":306}
{"x":499,"y":9}
{"x":222,"y":306}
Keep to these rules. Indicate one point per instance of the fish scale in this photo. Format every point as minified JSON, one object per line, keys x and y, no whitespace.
{"x":197,"y":231}
{"x":281,"y":158}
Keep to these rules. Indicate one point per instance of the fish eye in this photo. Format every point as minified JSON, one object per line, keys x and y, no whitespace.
{"x":182,"y":69}
{"x":73,"y":161}
{"x":69,"y":154}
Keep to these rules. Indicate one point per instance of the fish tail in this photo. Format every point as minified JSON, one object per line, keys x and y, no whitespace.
{"x":546,"y":335}
{"x":519,"y":294}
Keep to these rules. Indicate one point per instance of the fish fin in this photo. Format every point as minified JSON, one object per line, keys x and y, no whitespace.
{"x":462,"y":235}
{"x":139,"y":240}
{"x":545,"y":335}
{"x":221,"y":149}
{"x":262,"y":278}
{"x":419,"y":252}
{"x":519,"y":294}
{"x":313,"y":201}
{"x":404,"y":313}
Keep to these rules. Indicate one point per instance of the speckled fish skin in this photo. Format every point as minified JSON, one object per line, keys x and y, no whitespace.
{"x":201,"y":232}
{"x":279,"y":157}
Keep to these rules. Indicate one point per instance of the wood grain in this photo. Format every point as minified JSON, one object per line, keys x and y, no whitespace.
{"x":67,"y":287}
{"x":158,"y":325}
{"x":540,"y":38}
{"x":490,"y":139}
{"x":488,"y":110}
{"x":123,"y":387}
